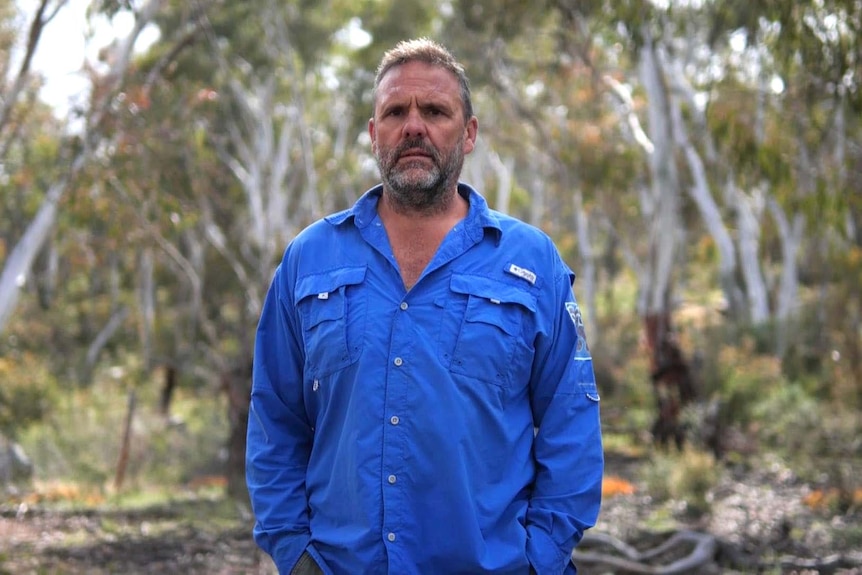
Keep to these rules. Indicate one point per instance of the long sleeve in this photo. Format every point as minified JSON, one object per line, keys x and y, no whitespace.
{"x":568,"y":446}
{"x":279,"y":434}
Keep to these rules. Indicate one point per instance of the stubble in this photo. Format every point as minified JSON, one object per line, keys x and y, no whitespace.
{"x":412,"y":185}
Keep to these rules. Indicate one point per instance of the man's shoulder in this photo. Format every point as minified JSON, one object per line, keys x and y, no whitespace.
{"x":323,"y":229}
{"x":519,"y":230}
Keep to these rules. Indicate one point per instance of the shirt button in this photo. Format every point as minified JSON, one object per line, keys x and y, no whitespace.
{"x":404,"y":305}
{"x":391,"y":537}
{"x":398,"y":361}
{"x":391,"y":479}
{"x":394,"y":420}
{"x":315,"y":385}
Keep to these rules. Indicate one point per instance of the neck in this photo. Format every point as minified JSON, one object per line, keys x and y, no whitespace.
{"x":452,"y":209}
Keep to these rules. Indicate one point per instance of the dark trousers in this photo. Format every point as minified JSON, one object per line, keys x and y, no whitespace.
{"x":306,"y":566}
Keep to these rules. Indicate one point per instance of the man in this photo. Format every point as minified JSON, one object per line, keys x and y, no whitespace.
{"x":423,"y":397}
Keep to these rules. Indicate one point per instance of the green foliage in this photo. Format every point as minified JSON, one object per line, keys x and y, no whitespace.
{"x":849,"y":536}
{"x":28,"y":392}
{"x":790,"y":419}
{"x":817,"y":439}
{"x":738,"y":375}
{"x":689,"y":476}
{"x":80,"y":440}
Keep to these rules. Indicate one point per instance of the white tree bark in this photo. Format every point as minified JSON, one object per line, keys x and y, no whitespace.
{"x":504,"y":171}
{"x":262,"y":139}
{"x":270,"y":130}
{"x":699,"y":191}
{"x":41,"y":17}
{"x":485,"y":160}
{"x":587,"y":273}
{"x":147,"y":305}
{"x":16,"y":270}
{"x":105,"y":335}
{"x":791,"y":238}
{"x":662,"y":210}
{"x":749,"y":209}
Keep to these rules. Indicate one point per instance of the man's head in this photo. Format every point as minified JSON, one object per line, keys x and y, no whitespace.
{"x":422,"y":126}
{"x":430,"y":52}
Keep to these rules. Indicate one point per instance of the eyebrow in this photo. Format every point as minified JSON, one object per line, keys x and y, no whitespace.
{"x":425,"y":104}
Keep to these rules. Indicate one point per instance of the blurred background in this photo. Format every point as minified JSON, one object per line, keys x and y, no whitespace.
{"x":698,"y":163}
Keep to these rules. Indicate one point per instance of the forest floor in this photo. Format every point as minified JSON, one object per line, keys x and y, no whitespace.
{"x":763,"y":521}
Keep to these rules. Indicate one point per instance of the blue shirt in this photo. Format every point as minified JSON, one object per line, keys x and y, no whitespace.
{"x":452,"y":428}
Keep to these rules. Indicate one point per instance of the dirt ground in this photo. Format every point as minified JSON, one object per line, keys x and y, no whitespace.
{"x":191,"y":537}
{"x":763,"y":522}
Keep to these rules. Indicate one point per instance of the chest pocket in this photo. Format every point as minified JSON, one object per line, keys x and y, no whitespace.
{"x":490,"y":345}
{"x":332,"y":312}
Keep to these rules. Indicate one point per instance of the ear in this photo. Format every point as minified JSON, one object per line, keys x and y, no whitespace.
{"x":373,"y":133}
{"x":470,"y":133}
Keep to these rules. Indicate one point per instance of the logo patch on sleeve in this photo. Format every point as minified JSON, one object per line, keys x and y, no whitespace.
{"x":575,"y":313}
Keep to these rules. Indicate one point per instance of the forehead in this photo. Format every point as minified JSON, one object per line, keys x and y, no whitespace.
{"x":420,"y":80}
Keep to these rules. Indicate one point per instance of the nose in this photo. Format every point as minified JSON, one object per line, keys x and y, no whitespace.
{"x":414,"y":125}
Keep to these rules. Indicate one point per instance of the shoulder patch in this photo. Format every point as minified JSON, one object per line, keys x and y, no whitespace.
{"x":575,"y":313}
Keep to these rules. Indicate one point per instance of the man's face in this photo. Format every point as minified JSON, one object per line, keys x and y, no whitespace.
{"x":419,"y":135}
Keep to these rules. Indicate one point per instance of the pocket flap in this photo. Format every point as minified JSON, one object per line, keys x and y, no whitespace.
{"x":323,"y":284}
{"x":492,"y":290}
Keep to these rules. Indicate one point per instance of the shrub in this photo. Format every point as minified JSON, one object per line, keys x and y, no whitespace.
{"x":689,"y":476}
{"x":27,"y":392}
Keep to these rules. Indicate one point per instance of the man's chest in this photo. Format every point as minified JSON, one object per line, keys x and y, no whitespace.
{"x":413,"y":254}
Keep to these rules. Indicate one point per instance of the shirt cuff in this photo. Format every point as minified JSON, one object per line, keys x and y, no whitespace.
{"x":544,"y":554}
{"x":287,"y":551}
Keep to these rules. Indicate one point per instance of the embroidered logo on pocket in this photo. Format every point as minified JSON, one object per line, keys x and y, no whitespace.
{"x":522,"y":273}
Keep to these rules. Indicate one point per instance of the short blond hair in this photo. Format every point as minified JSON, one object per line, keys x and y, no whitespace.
{"x":430,"y":52}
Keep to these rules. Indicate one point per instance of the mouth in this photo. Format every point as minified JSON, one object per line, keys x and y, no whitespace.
{"x":414,"y":154}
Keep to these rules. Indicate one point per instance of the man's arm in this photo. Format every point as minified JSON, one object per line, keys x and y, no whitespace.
{"x":279,"y":434}
{"x":568,"y":446}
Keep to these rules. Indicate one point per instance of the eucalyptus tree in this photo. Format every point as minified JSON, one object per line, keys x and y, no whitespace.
{"x":78,"y":154}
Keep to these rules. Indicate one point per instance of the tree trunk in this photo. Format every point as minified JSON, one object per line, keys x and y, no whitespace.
{"x":147,"y":305}
{"x":670,"y":377}
{"x":673,"y":387}
{"x":661,"y":207}
{"x":788,"y":287}
{"x":699,"y":191}
{"x":20,"y":261}
{"x":237,"y":385}
{"x":588,"y":261}
{"x":748,"y":211}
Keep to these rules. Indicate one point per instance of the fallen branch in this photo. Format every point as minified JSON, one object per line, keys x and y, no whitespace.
{"x":637,"y":562}
{"x":824,"y":565}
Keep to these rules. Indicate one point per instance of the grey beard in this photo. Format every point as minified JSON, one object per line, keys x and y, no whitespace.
{"x":428,"y":193}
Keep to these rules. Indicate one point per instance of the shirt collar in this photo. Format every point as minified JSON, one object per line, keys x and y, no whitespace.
{"x":479,"y":217}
